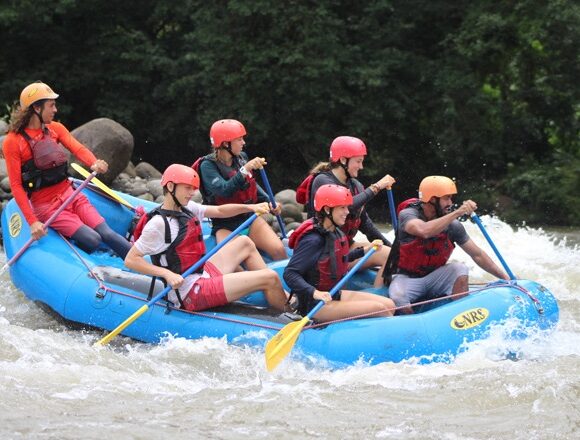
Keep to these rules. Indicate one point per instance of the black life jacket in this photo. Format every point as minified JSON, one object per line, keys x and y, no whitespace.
{"x":48,"y":165}
{"x":248,"y":195}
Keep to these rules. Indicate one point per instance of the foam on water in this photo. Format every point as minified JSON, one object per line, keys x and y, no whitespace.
{"x":180,"y":388}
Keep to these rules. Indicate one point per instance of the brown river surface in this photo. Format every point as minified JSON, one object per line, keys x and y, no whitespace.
{"x":55,"y":385}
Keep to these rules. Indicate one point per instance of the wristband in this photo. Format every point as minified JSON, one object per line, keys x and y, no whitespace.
{"x":245,"y":172}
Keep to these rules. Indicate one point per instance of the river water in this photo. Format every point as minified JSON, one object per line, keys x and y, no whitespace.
{"x":55,"y":385}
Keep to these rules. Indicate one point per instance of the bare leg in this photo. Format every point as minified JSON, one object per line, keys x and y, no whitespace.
{"x":378,"y":259}
{"x":353,"y":304}
{"x":266,"y":239}
{"x":461,"y":285}
{"x":239,"y":250}
{"x":387,"y":303}
{"x":223,"y":233}
{"x":240,"y":284}
{"x":258,"y":277}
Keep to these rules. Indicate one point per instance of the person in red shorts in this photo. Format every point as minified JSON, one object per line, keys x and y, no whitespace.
{"x":37,"y":168}
{"x":171,"y":234}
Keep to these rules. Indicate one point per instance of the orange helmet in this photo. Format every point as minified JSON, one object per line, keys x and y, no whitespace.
{"x":436,"y":186}
{"x":225,"y":130}
{"x":346,"y":146}
{"x":35,"y":92}
{"x":178,"y":173}
{"x":332,"y":196}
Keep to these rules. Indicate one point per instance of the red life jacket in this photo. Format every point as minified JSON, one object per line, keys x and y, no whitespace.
{"x":187,"y":248}
{"x":246,"y":196}
{"x":48,"y":165}
{"x":421,"y":256}
{"x":303,"y":190}
{"x":353,"y":220}
{"x":406,"y":203}
{"x":333,"y":262}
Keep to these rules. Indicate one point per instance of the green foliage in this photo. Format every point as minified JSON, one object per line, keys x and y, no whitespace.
{"x":433,"y":87}
{"x":545,"y":193}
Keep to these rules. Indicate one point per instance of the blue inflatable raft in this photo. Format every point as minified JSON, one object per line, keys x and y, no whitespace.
{"x":97,"y":291}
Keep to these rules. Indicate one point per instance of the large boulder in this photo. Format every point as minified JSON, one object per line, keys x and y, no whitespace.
{"x":292,"y":211}
{"x":154,"y":187}
{"x":286,"y":196}
{"x":130,"y":170}
{"x":3,"y":169}
{"x":5,"y":184}
{"x":108,"y":140}
{"x":147,"y":171}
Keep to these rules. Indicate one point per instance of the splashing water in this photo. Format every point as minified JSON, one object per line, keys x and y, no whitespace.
{"x":55,"y":384}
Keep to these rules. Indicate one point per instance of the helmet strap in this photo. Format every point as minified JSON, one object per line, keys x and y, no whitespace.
{"x":172,"y":192}
{"x":40,"y":104}
{"x":228,"y":148}
{"x":329,"y":216}
{"x":344,"y":166}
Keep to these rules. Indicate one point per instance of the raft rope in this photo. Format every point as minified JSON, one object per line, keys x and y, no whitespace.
{"x":421,"y":303}
{"x":102,"y":290}
{"x":511,"y":283}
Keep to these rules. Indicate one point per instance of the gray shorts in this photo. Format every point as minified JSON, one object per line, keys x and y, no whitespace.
{"x":405,"y":290}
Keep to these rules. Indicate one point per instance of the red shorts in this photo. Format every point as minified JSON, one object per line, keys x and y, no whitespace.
{"x":79,"y":212}
{"x":206,"y":292}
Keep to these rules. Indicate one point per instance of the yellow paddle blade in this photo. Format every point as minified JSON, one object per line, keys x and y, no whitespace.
{"x":280,"y":345}
{"x":101,"y":185}
{"x":123,"y":326}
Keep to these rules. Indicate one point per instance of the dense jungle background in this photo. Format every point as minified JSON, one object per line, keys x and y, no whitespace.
{"x":482,"y":91}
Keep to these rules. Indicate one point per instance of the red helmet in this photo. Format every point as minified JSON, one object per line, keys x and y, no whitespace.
{"x":225,"y":130}
{"x":178,"y":173}
{"x":346,"y":146}
{"x":331,"y":196}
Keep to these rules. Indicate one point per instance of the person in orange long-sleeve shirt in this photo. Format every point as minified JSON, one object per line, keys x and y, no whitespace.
{"x":37,"y":168}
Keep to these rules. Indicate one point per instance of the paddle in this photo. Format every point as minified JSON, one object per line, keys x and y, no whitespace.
{"x":281,"y":344}
{"x":394,"y":219}
{"x":272,"y":200}
{"x":165,"y":291}
{"x":102,"y":186}
{"x":495,"y":249}
{"x":51,"y":219}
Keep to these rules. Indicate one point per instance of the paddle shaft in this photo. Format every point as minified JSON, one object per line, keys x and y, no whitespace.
{"x":281,"y":344}
{"x":51,"y":218}
{"x":394,"y":219}
{"x":272,"y":200}
{"x":477,"y":220}
{"x":343,"y":280}
{"x":165,"y":291}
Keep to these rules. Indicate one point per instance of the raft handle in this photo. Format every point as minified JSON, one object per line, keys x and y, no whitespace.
{"x":101,"y":292}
